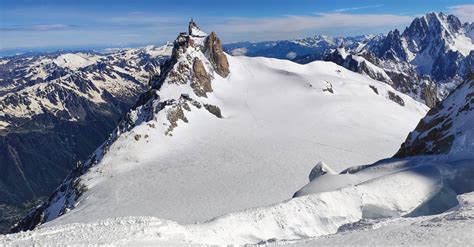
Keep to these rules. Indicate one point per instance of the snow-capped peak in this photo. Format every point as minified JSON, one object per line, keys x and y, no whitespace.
{"x":195,"y":31}
{"x":438,"y":27}
{"x":194,"y":59}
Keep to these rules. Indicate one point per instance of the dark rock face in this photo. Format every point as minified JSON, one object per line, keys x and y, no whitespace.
{"x":396,"y":98}
{"x":376,"y":91}
{"x":430,"y":36}
{"x":201,"y":81}
{"x":217,"y":56}
{"x":320,"y":169}
{"x":429,"y":94}
{"x":437,"y":132}
{"x":214,"y":110}
{"x":391,"y":48}
{"x":212,"y":48}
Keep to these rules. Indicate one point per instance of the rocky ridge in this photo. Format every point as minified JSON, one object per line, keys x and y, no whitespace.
{"x":445,"y":130}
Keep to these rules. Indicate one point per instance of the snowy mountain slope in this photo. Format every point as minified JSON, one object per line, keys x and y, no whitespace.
{"x":226,"y":133}
{"x":444,"y":134}
{"x":399,"y":75}
{"x":363,"y":206}
{"x":56,"y":108}
{"x":452,"y":227}
{"x":358,"y":64}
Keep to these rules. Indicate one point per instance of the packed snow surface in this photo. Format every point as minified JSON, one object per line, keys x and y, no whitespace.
{"x":388,"y":189}
{"x":278,"y":120}
{"x":453,"y":228}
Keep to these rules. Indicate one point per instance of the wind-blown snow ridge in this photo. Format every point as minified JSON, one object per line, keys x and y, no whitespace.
{"x":390,"y":189}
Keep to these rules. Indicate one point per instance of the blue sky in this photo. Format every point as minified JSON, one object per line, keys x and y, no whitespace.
{"x":53,"y":24}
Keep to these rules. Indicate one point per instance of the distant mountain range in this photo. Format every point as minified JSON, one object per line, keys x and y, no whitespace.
{"x":426,"y":61}
{"x":316,"y":46}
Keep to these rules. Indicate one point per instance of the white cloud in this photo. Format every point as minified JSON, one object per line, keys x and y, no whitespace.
{"x":358,"y":8}
{"x":39,"y":27}
{"x":464,"y":12}
{"x":148,"y":27}
{"x":300,"y":25}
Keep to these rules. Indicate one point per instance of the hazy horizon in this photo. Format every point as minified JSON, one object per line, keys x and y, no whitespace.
{"x":67,"y":25}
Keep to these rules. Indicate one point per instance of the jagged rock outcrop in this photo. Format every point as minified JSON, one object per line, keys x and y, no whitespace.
{"x":181,"y":68}
{"x":357,"y":64}
{"x":213,"y":47}
{"x":446,"y":127}
{"x":391,"y":47}
{"x":201,"y":80}
{"x":396,"y":98}
{"x":214,"y":110}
